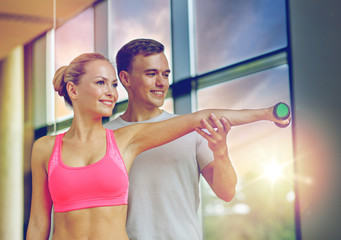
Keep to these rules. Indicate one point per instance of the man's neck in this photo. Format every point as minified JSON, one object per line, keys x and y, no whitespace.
{"x":142,"y":114}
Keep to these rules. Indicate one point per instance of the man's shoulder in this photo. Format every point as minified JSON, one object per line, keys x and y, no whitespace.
{"x":115,"y":123}
{"x":163,"y":116}
{"x":118,"y":122}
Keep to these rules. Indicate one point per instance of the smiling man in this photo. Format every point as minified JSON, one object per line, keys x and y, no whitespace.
{"x":164,"y":181}
{"x":145,"y":77}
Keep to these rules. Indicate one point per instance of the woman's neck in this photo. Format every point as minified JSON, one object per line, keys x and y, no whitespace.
{"x":85,"y":128}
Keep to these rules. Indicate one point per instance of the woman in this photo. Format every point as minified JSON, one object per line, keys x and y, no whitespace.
{"x":83,"y":172}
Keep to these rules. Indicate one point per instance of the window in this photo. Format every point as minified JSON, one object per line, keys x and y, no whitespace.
{"x":141,"y":19}
{"x":241,"y":56}
{"x":263,"y":207}
{"x":72,"y":39}
{"x":229,"y":31}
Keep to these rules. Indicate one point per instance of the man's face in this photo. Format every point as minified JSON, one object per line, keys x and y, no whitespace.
{"x":149,"y":80}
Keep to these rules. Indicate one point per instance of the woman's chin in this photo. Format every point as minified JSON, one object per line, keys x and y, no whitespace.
{"x":107,"y":114}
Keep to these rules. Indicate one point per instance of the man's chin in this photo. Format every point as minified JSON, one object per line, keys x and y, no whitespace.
{"x":159,"y":104}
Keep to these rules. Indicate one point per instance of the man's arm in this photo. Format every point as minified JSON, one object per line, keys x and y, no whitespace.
{"x":219,"y":174}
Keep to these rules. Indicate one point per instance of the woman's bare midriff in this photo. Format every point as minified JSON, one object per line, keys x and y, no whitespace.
{"x":100,"y":223}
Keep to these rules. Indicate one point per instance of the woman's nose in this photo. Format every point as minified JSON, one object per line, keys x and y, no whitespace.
{"x":109,"y":90}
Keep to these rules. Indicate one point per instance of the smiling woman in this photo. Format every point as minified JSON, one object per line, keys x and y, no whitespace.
{"x":100,"y":80}
{"x":72,"y":170}
{"x":97,"y":90}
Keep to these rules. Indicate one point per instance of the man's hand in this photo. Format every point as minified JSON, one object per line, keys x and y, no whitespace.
{"x":219,"y":174}
{"x":217,"y":133}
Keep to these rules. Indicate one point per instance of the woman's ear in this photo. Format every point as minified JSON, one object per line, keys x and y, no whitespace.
{"x":71,"y":89}
{"x":124,"y":77}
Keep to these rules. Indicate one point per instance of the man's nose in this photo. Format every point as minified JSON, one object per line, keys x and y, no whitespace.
{"x":160,"y":80}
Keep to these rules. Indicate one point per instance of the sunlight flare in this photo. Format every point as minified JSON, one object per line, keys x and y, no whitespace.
{"x":273,"y":171}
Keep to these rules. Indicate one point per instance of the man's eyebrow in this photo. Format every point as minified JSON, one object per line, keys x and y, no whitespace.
{"x":151,"y":70}
{"x":155,"y":70}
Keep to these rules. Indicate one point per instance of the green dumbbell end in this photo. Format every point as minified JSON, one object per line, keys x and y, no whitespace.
{"x":281,"y":111}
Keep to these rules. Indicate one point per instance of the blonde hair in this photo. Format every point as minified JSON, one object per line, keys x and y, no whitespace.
{"x":73,"y":72}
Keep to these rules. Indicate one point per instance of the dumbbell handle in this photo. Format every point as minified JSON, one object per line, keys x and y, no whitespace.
{"x":281,"y":111}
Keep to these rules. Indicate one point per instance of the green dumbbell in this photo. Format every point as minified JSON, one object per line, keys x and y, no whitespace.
{"x":281,"y":111}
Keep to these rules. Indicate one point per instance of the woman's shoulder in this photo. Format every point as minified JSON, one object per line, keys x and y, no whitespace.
{"x":43,"y":147}
{"x":44,"y":142}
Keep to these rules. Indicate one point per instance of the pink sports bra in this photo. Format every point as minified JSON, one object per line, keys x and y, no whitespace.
{"x":104,"y":183}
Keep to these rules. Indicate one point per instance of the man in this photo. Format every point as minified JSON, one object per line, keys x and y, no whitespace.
{"x":164,"y":181}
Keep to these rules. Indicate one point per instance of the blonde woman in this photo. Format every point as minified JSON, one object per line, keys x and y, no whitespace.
{"x":83,"y":172}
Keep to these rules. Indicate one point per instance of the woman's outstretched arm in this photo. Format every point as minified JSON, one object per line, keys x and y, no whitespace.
{"x":141,"y":137}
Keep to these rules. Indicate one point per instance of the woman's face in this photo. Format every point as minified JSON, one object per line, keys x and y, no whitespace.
{"x":96,"y":91}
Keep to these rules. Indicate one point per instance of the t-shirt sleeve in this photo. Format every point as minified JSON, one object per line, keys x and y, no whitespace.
{"x":204,"y":153}
{"x":113,"y":124}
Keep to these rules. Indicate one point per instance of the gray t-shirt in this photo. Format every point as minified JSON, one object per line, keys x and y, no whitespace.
{"x":164,"y":187}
